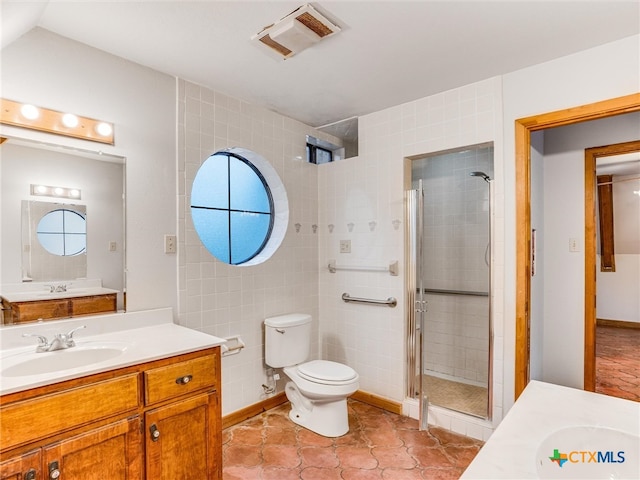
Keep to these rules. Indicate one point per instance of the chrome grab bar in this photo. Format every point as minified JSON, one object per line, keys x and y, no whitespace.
{"x":390,"y":302}
{"x":438,"y":291}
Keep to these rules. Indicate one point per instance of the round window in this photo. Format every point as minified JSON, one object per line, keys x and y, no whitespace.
{"x":63,"y":232}
{"x":236,"y":211}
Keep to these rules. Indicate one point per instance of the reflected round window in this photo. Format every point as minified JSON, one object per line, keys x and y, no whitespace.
{"x":63,"y":232}
{"x":233,"y":208}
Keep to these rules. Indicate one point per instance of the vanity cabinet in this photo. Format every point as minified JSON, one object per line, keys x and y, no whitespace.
{"x":52,"y":309}
{"x":23,"y":467}
{"x":158,"y":420}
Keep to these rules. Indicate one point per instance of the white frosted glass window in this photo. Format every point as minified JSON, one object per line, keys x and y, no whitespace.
{"x":63,"y":232}
{"x":232,"y":208}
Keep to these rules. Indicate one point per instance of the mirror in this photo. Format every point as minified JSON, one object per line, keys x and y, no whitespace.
{"x":27,"y":265}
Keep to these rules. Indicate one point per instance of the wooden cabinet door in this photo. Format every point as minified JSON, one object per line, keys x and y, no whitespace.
{"x":25,"y":467}
{"x":182,"y":442}
{"x":111,"y":452}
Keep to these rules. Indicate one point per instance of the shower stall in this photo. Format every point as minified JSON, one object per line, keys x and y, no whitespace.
{"x":449,"y":225}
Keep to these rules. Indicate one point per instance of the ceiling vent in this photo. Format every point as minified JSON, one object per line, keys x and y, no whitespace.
{"x":300,"y":29}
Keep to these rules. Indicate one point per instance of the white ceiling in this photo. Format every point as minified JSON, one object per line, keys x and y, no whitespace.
{"x":388,"y":53}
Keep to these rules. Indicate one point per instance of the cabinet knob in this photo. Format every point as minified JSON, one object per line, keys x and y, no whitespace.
{"x":155,"y":433}
{"x":31,"y":474}
{"x":184,"y":380}
{"x":54,"y":470}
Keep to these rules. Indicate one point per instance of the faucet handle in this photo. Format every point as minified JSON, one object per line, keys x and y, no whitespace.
{"x":68,"y":338}
{"x":71,"y":332}
{"x":42,"y":340}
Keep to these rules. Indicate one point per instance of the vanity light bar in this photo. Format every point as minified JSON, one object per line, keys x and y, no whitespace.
{"x":50,"y":121}
{"x":60,"y":192}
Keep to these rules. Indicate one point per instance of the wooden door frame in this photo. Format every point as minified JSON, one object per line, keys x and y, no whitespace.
{"x":523,"y":129}
{"x":591,"y":156}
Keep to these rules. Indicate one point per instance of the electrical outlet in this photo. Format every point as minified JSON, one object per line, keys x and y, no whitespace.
{"x":345,"y":246}
{"x":170,"y":244}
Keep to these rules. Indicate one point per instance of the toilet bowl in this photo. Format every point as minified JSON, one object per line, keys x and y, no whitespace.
{"x":317,"y":389}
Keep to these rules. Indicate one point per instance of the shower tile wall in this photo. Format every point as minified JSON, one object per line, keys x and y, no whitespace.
{"x":455,"y":258}
{"x":370,"y":187}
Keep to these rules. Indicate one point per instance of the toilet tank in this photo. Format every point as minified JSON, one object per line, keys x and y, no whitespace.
{"x":287,"y":339}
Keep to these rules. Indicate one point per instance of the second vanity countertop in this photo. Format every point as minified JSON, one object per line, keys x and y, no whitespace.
{"x":531,"y":430}
{"x":142,"y":336}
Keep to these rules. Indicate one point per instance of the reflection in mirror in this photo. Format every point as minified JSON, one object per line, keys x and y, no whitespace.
{"x":54,"y":241}
{"x":87,"y":275}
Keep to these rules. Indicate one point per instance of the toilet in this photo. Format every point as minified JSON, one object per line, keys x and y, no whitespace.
{"x":318,"y":389}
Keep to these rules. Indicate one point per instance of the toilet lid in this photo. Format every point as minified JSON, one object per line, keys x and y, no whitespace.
{"x":324,"y":371}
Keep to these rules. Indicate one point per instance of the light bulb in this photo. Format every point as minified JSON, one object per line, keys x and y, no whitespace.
{"x":70,"y":120}
{"x":74,"y":192}
{"x":41,"y":189}
{"x":104,"y":129}
{"x":58,"y":190}
{"x":29,"y":112}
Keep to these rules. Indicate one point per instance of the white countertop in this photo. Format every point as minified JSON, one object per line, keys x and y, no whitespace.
{"x":147,"y":336}
{"x":512,"y":450}
{"x":29,"y":296}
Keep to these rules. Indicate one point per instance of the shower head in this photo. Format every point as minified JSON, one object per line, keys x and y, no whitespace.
{"x":481,"y":174}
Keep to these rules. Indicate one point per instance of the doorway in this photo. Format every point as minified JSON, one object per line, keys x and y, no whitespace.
{"x":612,"y":179}
{"x":523,"y":129}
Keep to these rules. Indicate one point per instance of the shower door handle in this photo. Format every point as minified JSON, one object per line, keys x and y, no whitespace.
{"x":421,"y":306}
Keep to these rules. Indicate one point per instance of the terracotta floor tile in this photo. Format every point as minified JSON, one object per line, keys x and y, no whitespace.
{"x":383,"y":436}
{"x":272,"y":473}
{"x":283,"y":456}
{"x":358,"y":474}
{"x":379,"y":445}
{"x":431,"y":456}
{"x":324,"y":457}
{"x":315,"y":473}
{"x":247,"y":436}
{"x":360,"y":457}
{"x":242,"y":456}
{"x":402,"y":474}
{"x":279,"y":436}
{"x":395,"y":457}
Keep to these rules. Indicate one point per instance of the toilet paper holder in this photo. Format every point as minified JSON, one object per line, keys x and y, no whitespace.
{"x":232,"y":345}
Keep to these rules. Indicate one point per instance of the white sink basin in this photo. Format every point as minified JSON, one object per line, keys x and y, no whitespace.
{"x":60,"y":360}
{"x":585,"y":452}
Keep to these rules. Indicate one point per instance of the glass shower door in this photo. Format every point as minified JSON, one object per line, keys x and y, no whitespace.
{"x":417,"y":305}
{"x":449,"y":260}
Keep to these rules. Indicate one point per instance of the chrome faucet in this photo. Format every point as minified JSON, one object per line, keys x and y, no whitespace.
{"x":60,"y":341}
{"x":57,"y":288}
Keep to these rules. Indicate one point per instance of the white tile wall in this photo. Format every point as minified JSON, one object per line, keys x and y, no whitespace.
{"x":371,"y":188}
{"x":225,"y":300}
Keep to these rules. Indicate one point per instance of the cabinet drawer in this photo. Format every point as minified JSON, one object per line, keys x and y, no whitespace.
{"x":94,"y":304}
{"x":180,"y":378}
{"x":30,"y":420}
{"x":27,"y":311}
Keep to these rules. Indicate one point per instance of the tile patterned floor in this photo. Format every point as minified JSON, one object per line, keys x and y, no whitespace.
{"x":617,"y":362}
{"x":379,"y":445}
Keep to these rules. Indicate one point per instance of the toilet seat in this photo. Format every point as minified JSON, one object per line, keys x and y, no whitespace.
{"x":327,"y":373}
